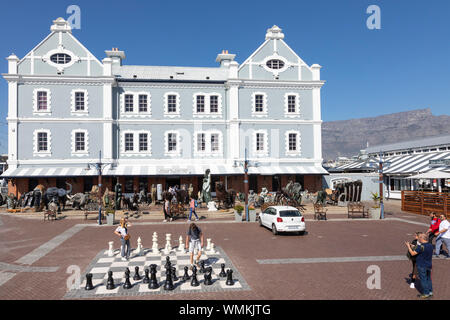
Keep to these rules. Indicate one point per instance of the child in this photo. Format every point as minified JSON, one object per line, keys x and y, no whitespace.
{"x":192,"y":206}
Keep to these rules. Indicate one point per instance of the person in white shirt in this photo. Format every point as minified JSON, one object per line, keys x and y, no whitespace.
{"x":443,"y":236}
{"x":122,"y":233}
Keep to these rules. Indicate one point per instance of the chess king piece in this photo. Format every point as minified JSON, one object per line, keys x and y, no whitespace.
{"x":111,"y":249}
{"x":194,"y":281}
{"x":146,"y":276}
{"x":208,"y":277}
{"x":222,"y":273}
{"x":155,"y":248}
{"x":186,"y":274}
{"x":229,"y":281}
{"x":174,"y":273}
{"x":181,"y":245}
{"x":168,"y":284}
{"x":89,"y":285}
{"x":127,"y":284}
{"x":153,"y":284}
{"x":202,"y":266}
{"x":136,"y":276}
{"x":168,"y":247}
{"x":110,"y":282}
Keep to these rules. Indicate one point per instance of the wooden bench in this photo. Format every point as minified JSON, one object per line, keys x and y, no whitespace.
{"x":358,"y":209}
{"x":320,"y":212}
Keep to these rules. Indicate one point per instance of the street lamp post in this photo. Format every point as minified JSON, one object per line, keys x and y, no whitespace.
{"x":382,"y":165}
{"x":99,"y":166}
{"x":246,"y":164}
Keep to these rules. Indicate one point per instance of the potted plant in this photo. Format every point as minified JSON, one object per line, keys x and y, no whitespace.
{"x":238,"y":209}
{"x":251,"y":214}
{"x":375,"y":210}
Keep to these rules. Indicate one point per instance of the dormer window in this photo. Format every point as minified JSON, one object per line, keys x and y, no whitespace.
{"x":60,"y":58}
{"x":275,"y":64}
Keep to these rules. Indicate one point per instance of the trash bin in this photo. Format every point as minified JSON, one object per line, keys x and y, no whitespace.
{"x":252,"y":215}
{"x":110,"y":219}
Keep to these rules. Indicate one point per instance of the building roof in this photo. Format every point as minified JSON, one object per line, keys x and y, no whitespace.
{"x":165,"y":73}
{"x":404,"y":164}
{"x":420,"y":143}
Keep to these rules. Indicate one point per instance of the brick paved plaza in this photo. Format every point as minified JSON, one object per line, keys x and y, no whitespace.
{"x":329,"y":262}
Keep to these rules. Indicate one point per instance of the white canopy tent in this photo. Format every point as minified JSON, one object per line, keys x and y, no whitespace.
{"x":431,"y":175}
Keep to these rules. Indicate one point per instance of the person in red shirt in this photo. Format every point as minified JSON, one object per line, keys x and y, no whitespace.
{"x":433,"y":231}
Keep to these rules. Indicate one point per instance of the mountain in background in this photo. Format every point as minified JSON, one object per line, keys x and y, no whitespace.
{"x":347,"y":137}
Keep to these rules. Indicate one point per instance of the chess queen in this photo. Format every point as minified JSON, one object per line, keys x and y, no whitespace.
{"x":122,"y":233}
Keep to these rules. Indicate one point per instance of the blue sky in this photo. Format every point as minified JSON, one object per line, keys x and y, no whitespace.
{"x":404,"y":66}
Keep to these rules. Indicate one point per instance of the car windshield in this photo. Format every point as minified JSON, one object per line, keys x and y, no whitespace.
{"x":290,"y":213}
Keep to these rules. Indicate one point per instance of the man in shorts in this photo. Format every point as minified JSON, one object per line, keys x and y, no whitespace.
{"x":194,"y":238}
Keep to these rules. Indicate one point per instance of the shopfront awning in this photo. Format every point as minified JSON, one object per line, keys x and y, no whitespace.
{"x":145,"y":170}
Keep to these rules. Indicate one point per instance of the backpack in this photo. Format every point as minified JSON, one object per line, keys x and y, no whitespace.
{"x":195,"y":203}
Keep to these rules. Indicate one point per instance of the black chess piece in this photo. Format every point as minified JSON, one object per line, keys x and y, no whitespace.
{"x":89,"y":285}
{"x":186,"y":274}
{"x":229,"y":281}
{"x":202,"y":267}
{"x":136,"y":276}
{"x":194,"y":281}
{"x":153,"y":284}
{"x":168,"y":263}
{"x":168,"y":284}
{"x":110,"y":282}
{"x":222,"y":273}
{"x":127,"y":284}
{"x":208,"y":277}
{"x":146,"y":277}
{"x":174,"y":274}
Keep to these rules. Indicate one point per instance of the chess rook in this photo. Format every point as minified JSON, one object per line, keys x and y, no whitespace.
{"x":89,"y":285}
{"x":153,"y":284}
{"x":229,"y":281}
{"x":208,"y":277}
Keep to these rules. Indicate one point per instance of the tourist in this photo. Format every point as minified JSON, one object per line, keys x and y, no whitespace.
{"x":443,"y":235}
{"x":166,"y":209}
{"x":434,"y":227}
{"x":414,"y":245}
{"x":194,"y":238}
{"x":192,"y":207}
{"x":122,"y":232}
{"x":424,"y":255}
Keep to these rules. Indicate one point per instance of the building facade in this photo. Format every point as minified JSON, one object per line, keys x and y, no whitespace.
{"x":163,"y":125}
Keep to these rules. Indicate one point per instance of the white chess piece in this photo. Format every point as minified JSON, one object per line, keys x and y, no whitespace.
{"x":139,"y":246}
{"x":208,"y":244}
{"x":212,"y":248}
{"x":212,"y":206}
{"x":168,"y":247}
{"x":155,"y":248}
{"x":180,"y":244}
{"x":111,"y":250}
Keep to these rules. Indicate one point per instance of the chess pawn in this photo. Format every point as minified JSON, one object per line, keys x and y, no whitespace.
{"x":212,"y":248}
{"x":202,"y":266}
{"x":136,"y":276}
{"x":194,"y":281}
{"x":111,"y":250}
{"x":110,"y":282}
{"x":155,"y":249}
{"x":180,"y":244}
{"x":139,"y":246}
{"x":127,"y":284}
{"x":153,"y":284}
{"x":186,"y":274}
{"x":168,"y":263}
{"x":208,"y":244}
{"x":89,"y":285}
{"x":168,"y":285}
{"x":208,"y":277}
{"x":146,"y":276}
{"x":222,"y":273}
{"x":229,"y":281}
{"x":174,"y":274}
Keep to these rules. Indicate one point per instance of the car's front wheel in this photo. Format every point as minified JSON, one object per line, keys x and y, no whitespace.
{"x":260,"y":222}
{"x":274,"y":229}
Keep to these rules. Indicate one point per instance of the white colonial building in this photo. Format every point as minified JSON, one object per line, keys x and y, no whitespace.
{"x":157,"y":124}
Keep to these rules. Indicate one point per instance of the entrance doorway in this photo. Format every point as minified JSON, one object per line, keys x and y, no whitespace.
{"x":276,"y":183}
{"x":253,"y":183}
{"x":172,"y":182}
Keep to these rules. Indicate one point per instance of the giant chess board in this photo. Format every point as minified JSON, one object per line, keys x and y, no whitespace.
{"x":103,"y":263}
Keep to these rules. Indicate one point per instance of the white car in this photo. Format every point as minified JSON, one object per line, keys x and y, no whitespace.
{"x":283,"y":219}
